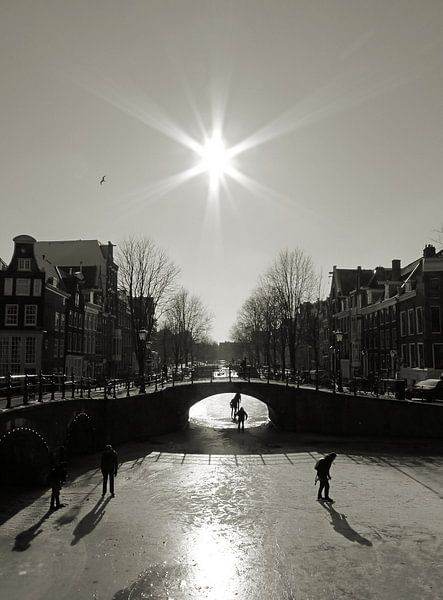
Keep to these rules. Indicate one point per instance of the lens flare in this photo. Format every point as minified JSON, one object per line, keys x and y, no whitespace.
{"x":215,"y":159}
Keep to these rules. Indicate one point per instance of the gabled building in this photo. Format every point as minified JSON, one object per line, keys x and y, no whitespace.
{"x":33,"y":301}
{"x":391,"y":319}
{"x":95,"y":261}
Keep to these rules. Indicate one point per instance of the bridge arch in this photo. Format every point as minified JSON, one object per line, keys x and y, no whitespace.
{"x":24,"y":456}
{"x":81,"y":434}
{"x":214,"y":411}
{"x":279,"y":399}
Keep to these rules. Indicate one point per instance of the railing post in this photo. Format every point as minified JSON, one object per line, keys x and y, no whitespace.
{"x":287,"y":379}
{"x":230,"y":379}
{"x":211,"y":376}
{"x":192,"y":377}
{"x":8,"y":390}
{"x":156,"y":384}
{"x":267,"y":377}
{"x":40,"y":386}
{"x":63,"y":385}
{"x":25,"y":390}
{"x":81,"y":386}
{"x":72,"y":385}
{"x":249,"y":374}
{"x":88,"y":385}
{"x":52,"y":387}
{"x":114,"y":395}
{"x":128,"y":387}
{"x":173,"y":380}
{"x":105,"y":389}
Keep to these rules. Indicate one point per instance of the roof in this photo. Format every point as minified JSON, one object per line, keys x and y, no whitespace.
{"x":346,"y":279}
{"x":72,"y":252}
{"x":51,"y":271}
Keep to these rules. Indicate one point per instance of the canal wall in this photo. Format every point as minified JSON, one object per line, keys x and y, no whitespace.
{"x":29,"y":434}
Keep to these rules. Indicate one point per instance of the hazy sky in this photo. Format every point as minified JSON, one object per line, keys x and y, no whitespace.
{"x":337,"y":105}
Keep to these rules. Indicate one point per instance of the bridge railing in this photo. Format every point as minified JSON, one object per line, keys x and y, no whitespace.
{"x":18,"y":390}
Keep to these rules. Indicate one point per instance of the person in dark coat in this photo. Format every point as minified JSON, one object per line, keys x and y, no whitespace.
{"x":322,"y":467}
{"x":109,"y":466}
{"x":57,"y":477}
{"x":241,"y":415}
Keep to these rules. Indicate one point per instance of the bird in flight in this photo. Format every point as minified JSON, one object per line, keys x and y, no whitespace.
{"x":102,"y":180}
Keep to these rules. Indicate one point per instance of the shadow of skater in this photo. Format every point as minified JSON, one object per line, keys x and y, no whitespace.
{"x":341,"y":525}
{"x":23,"y":540}
{"x":89,"y":521}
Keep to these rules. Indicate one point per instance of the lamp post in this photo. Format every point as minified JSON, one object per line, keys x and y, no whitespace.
{"x":334,"y":368}
{"x":393,"y":354}
{"x":338,"y":341}
{"x":142,"y":335}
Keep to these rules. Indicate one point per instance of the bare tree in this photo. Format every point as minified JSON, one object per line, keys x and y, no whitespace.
{"x":147,"y":276}
{"x":293,"y":280}
{"x":189,"y":322}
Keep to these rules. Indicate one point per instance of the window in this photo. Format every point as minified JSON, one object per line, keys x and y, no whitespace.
{"x":30,"y":350}
{"x":55,"y":347}
{"x":77,"y":299}
{"x":4,"y":355}
{"x":62,"y":322}
{"x":434,"y":287}
{"x":394,"y":311}
{"x":412,"y":356}
{"x":30,"y":314}
{"x":419,"y":318}
{"x":411,"y":328}
{"x":8,"y":286}
{"x":421,"y":356}
{"x":23,"y":287}
{"x":404,"y":355}
{"x":403,"y":323}
{"x":24,"y":264}
{"x":61,"y":348}
{"x":11,"y":314}
{"x":438,"y":355}
{"x":69,"y":342}
{"x":16,"y":353}
{"x":435,"y":319}
{"x":37,"y":287}
{"x":57,"y":321}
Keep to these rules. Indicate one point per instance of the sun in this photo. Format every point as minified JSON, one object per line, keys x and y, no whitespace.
{"x":215,"y":159}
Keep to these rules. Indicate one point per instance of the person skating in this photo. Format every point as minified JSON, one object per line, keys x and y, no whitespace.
{"x":322,"y":467}
{"x":241,"y":415}
{"x":109,"y":466}
{"x":235,"y":404}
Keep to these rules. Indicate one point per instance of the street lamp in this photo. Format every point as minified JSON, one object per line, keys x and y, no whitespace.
{"x":142,"y":335}
{"x":338,"y":341}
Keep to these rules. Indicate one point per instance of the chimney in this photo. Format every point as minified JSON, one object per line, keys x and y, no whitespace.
{"x":428,"y":251}
{"x":358,"y":277}
{"x":380,"y":273}
{"x":396,"y":270}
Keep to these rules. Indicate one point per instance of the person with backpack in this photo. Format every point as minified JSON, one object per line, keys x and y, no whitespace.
{"x":241,"y":415}
{"x":322,"y":467}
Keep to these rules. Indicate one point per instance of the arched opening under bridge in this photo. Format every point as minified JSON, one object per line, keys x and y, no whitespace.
{"x":215,"y":412}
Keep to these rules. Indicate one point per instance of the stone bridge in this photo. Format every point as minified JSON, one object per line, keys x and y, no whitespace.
{"x":28,"y":434}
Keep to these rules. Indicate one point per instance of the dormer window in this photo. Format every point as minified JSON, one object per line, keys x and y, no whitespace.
{"x":24,"y":264}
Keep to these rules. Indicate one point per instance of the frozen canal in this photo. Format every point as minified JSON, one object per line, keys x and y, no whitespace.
{"x":211,"y":513}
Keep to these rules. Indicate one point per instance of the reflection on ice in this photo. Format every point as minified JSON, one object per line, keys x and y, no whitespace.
{"x":215,"y":412}
{"x":215,"y":561}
